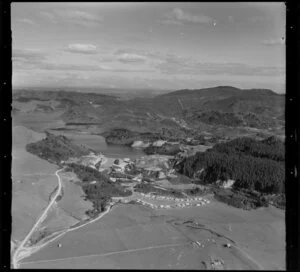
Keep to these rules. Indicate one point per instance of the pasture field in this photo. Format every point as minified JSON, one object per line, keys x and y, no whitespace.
{"x":260,"y":233}
{"x":57,"y":220}
{"x":33,"y":181}
{"x":136,"y":237}
{"x":168,"y":257}
{"x":126,"y":227}
{"x":73,"y":202}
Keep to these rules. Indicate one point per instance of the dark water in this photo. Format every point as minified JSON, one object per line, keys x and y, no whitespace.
{"x":98,"y":144}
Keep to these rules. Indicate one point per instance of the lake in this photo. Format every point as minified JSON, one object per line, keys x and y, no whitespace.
{"x":97,"y":143}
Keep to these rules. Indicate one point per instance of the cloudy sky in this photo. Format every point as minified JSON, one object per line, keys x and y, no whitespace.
{"x":149,"y":45}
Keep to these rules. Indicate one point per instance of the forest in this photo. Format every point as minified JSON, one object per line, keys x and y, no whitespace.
{"x":255,"y":165}
{"x":56,"y":148}
{"x":98,"y":193}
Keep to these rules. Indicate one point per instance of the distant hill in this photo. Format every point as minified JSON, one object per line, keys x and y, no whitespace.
{"x":204,"y":109}
{"x":209,"y":105}
{"x":77,"y":97}
{"x":223,"y":98}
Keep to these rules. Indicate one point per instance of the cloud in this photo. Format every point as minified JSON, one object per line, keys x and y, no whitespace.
{"x":271,"y":42}
{"x":86,"y":67}
{"x":130,"y":58}
{"x":77,"y":17}
{"x":27,"y":55}
{"x":179,"y":17}
{"x":26,"y":21}
{"x":82,"y":48}
{"x":37,"y":60}
{"x":174,"y":65}
{"x":67,"y":67}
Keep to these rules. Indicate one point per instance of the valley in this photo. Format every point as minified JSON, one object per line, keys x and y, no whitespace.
{"x":142,"y":167}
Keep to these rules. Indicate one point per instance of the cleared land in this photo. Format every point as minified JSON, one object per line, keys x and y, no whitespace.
{"x":133,"y":236}
{"x":126,"y":227}
{"x":73,"y":202}
{"x":33,"y":181}
{"x":260,"y":233}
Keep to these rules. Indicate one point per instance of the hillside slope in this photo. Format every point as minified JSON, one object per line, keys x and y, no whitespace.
{"x":200,"y":109}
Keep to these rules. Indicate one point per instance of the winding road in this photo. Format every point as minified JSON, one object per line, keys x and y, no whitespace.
{"x":17,"y":256}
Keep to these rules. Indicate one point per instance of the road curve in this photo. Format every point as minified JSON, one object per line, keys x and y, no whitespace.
{"x":15,"y":259}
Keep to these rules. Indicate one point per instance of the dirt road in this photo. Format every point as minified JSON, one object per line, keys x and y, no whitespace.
{"x":19,"y":253}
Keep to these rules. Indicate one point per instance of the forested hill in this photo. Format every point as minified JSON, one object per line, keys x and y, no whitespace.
{"x":223,"y":105}
{"x":56,"y":148}
{"x":225,"y":98}
{"x":252,"y":164}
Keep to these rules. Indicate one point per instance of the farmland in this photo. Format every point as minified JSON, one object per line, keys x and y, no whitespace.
{"x":135,"y":237}
{"x":73,"y":197}
{"x":33,"y":181}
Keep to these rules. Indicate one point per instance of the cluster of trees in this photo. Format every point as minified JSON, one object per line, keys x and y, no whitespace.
{"x":86,"y":173}
{"x":56,"y":148}
{"x":98,"y":193}
{"x":195,"y":191}
{"x":240,"y":199}
{"x":255,"y":165}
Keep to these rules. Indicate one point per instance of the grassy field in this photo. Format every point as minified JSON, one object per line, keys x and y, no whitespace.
{"x":58,"y":219}
{"x":126,"y":227}
{"x":73,"y":202}
{"x":33,"y":181}
{"x":135,"y":237}
{"x":168,"y":257}
{"x":260,"y":233}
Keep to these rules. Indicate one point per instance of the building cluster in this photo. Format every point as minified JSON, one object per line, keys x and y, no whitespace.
{"x":92,"y":160}
{"x":179,"y":202}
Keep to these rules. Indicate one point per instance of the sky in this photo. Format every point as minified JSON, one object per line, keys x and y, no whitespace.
{"x":166,"y":46}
